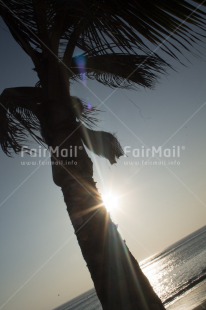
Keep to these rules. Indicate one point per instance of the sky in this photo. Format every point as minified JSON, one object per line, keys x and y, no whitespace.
{"x":159,"y":200}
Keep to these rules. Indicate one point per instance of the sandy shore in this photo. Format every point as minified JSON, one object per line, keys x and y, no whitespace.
{"x":201,"y":307}
{"x":194,"y":299}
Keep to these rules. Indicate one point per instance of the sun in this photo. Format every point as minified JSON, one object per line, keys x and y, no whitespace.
{"x":110,"y":200}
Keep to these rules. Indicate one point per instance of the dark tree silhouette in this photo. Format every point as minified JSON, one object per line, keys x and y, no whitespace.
{"x":119,"y":44}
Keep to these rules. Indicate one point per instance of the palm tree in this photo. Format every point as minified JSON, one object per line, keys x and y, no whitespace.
{"x":119,"y":44}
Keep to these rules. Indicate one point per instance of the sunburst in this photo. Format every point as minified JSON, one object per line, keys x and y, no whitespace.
{"x":111,"y":201}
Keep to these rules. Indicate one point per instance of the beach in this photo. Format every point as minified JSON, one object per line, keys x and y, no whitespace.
{"x":195,"y":299}
{"x":191,"y":300}
{"x":177,"y":274}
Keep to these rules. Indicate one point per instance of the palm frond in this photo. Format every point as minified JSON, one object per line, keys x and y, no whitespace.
{"x":25,"y":97}
{"x":102,"y":143}
{"x":19,"y":18}
{"x":22,"y":111}
{"x":111,"y":35}
{"x":119,"y":70}
{"x":15,"y":128}
{"x":85,"y":112}
{"x":118,"y":26}
{"x":18,"y":120}
{"x":136,"y":25}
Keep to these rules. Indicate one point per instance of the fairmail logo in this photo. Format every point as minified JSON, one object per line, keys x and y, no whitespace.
{"x":154,"y":152}
{"x":71,"y":151}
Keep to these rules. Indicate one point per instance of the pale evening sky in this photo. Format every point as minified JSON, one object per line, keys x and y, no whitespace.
{"x":41,"y":265}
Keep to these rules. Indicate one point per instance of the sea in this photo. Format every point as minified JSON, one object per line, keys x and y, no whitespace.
{"x":177,"y":273}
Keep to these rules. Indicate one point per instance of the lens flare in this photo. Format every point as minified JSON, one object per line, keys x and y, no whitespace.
{"x":81,"y":65}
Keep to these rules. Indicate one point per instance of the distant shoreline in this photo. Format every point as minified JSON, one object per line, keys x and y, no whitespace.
{"x":191,"y":285}
{"x":191,"y":300}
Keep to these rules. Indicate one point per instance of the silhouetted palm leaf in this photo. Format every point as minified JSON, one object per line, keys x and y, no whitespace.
{"x":110,"y":34}
{"x":101,"y":26}
{"x":118,"y":70}
{"x":16,"y":125}
{"x":20,"y":116}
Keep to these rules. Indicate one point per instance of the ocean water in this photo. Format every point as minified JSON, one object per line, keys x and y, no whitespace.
{"x":173,"y":273}
{"x":178,"y":269}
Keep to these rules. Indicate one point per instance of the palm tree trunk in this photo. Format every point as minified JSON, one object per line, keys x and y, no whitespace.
{"x":119,"y":282}
{"x":118,"y":279}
